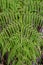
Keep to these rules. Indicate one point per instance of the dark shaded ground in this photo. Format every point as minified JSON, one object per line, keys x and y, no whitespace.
{"x":3,"y":60}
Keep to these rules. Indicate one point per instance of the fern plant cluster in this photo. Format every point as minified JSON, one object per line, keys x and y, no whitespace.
{"x":19,"y":37}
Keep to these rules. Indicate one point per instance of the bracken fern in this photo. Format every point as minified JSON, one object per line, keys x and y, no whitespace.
{"x":18,"y":30}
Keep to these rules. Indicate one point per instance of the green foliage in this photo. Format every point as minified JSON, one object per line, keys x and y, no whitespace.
{"x":18,"y":30}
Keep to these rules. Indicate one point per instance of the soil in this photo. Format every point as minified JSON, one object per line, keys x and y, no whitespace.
{"x":1,"y":64}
